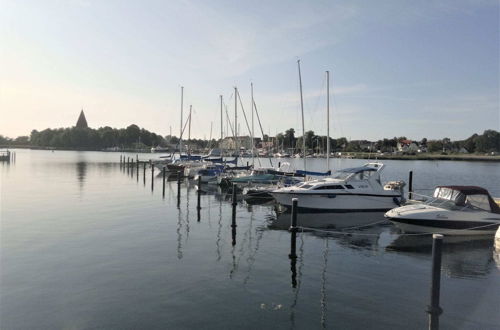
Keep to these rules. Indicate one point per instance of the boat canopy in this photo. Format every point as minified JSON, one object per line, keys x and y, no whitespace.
{"x":304,"y":173}
{"x":357,"y":169}
{"x":467,"y":196}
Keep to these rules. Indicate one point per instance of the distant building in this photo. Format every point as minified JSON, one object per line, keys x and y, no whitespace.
{"x":407,"y":146}
{"x":82,"y":122}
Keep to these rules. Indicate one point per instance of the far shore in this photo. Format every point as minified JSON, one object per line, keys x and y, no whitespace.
{"x":354,"y":155}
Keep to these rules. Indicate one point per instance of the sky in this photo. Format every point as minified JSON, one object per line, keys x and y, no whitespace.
{"x":397,"y":68}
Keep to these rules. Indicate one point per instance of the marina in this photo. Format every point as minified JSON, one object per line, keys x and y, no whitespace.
{"x":118,"y":246}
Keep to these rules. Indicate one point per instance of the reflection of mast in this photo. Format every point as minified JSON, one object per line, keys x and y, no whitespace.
{"x":179,"y":236}
{"x":323,"y":285}
{"x":219,"y":228}
{"x":187,"y":212}
{"x":251,"y":257}
{"x":296,"y":281}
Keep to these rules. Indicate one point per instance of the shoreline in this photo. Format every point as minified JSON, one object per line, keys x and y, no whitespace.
{"x":368,"y":156}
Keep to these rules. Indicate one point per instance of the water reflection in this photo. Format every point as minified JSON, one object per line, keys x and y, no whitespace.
{"x":323,"y":299}
{"x":81,"y":173}
{"x":463,"y":256}
{"x":339,"y":221}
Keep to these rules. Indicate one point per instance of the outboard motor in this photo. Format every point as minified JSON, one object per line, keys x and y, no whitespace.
{"x":397,"y":186}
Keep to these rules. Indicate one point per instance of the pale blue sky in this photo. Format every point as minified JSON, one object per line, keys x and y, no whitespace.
{"x":414,"y":68}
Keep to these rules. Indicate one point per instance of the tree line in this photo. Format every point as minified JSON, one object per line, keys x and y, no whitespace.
{"x":139,"y":138}
{"x":489,"y":141}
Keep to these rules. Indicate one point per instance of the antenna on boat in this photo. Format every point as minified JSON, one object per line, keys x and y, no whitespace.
{"x":302,"y":110}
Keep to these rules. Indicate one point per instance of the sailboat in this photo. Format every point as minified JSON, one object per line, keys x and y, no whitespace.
{"x":349,"y":190}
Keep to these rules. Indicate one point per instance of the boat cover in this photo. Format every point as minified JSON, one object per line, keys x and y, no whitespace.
{"x":477,"y":196}
{"x":300,"y":172}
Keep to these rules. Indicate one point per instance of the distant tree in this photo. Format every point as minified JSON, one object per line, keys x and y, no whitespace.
{"x":289,"y":138}
{"x":434,"y":146}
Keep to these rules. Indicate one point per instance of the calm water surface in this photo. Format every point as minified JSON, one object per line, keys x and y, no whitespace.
{"x":85,"y":244}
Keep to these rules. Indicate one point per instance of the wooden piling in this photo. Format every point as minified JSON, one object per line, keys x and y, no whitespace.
{"x":410,"y":185}
{"x":164,"y":174}
{"x":144,"y":173}
{"x":178,"y":189}
{"x":433,"y":309}
{"x":152,"y":176}
{"x":234,"y":200}
{"x":199,"y":193}
{"x":293,"y":229}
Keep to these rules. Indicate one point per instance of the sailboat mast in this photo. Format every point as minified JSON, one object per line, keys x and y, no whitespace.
{"x":327,"y":120}
{"x":221,"y":121}
{"x":182,"y":106}
{"x":253,"y":157}
{"x":235,"y":118}
{"x":189,"y":133}
{"x":302,"y":110}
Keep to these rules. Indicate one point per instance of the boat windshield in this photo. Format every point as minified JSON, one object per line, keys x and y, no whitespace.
{"x":445,"y":204}
{"x":341,"y":175}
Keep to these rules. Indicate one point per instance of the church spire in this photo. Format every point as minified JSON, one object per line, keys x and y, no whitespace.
{"x":82,"y":122}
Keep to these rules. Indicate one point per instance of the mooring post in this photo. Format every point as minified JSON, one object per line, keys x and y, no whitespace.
{"x":144,"y":173}
{"x":233,"y":217}
{"x":199,"y":193}
{"x":234,"y":201}
{"x":410,"y":185}
{"x":279,"y":165}
{"x":152,"y":176}
{"x":137,"y":162}
{"x":164,"y":174}
{"x":178,"y":189}
{"x":293,"y":229}
{"x":433,"y":309}
{"x":120,"y":160}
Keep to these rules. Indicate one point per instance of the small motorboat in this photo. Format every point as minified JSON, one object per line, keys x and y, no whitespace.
{"x":453,"y":210}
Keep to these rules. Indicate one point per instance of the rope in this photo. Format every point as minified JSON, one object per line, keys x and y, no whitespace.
{"x":404,"y":234}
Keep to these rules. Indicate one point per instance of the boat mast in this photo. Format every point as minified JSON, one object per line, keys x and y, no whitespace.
{"x":182,"y":106}
{"x":221,"y":121}
{"x":253,"y":158}
{"x":235,"y":118}
{"x":189,"y":133}
{"x":221,"y":128}
{"x":302,"y":110}
{"x":327,"y":120}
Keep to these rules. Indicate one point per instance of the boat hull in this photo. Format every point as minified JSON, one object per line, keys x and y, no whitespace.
{"x":339,"y":203}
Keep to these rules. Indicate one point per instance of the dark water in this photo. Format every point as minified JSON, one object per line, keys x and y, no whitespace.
{"x":85,"y":244}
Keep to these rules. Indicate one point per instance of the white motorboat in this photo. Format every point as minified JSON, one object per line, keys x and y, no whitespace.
{"x":453,"y":210}
{"x":349,"y":190}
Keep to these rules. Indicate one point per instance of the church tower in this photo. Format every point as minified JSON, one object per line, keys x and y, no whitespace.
{"x":82,"y":122}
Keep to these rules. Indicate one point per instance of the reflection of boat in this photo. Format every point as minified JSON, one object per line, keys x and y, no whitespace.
{"x":463,"y":256}
{"x":356,"y":189}
{"x":454,"y":210}
{"x":327,"y":220}
{"x":258,"y":194}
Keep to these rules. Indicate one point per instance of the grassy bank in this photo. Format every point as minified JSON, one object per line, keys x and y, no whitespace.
{"x":426,"y":156}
